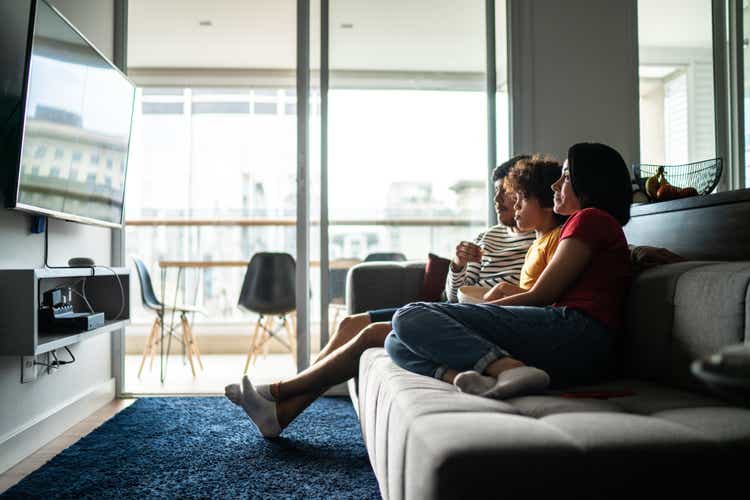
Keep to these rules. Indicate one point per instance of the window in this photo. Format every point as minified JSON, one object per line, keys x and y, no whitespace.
{"x":676,"y":81}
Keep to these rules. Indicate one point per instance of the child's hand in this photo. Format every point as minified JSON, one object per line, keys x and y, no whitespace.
{"x":502,"y":290}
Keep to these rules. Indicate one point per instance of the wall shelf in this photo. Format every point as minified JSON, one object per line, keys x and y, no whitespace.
{"x":21,"y":293}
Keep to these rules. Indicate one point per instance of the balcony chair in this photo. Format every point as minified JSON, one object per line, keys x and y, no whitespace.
{"x":268,"y":291}
{"x":187,"y":339}
{"x":385,"y":257}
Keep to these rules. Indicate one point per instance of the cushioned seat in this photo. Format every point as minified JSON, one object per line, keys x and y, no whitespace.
{"x":656,"y":425}
{"x":670,"y":434}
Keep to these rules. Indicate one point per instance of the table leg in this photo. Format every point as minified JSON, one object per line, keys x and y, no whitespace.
{"x":174,"y":309}
{"x":161,"y":344}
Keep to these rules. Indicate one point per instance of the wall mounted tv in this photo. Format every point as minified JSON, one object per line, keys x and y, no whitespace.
{"x":66,"y":114}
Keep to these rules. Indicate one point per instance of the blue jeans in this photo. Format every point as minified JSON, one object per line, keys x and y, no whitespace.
{"x":429,"y":338}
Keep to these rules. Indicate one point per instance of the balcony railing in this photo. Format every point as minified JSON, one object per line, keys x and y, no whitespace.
{"x":422,"y":222}
{"x":220,"y":276}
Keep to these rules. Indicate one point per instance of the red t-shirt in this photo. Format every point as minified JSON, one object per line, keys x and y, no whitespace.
{"x":601,"y":289}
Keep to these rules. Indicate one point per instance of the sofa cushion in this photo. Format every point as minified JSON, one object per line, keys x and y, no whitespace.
{"x":680,"y":312}
{"x":426,"y":440}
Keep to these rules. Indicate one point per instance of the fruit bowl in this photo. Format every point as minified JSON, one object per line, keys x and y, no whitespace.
{"x":703,"y":176}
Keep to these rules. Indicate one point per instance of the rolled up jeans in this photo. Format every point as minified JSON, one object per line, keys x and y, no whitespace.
{"x":429,"y":338}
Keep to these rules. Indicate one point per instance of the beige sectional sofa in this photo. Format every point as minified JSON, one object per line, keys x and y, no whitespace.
{"x":671,"y":435}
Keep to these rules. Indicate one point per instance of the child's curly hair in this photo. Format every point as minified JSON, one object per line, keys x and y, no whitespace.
{"x":533,"y":178}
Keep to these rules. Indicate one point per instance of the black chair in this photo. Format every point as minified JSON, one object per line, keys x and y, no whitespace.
{"x":187,"y":339}
{"x":386,"y":256}
{"x":268,"y":291}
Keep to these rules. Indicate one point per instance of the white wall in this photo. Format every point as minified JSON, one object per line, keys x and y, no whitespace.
{"x":574,"y":75}
{"x":88,"y":382}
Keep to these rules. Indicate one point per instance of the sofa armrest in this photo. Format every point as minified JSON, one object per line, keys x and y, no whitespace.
{"x":379,"y":285}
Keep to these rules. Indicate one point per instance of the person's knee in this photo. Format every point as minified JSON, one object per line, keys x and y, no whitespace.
{"x":350,"y":326}
{"x":373,"y":335}
{"x":407,"y":321}
{"x":393,"y":347}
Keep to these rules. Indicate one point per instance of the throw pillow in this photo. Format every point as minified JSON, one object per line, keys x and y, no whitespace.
{"x":435,"y":273}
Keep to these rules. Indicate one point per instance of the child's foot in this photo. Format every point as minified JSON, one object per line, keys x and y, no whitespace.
{"x":473,"y":382}
{"x":518,"y":381}
{"x":261,"y":411}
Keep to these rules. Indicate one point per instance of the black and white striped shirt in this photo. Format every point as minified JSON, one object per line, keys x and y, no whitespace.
{"x":502,"y":260}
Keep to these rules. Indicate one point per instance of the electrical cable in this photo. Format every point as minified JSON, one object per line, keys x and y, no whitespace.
{"x":57,"y":363}
{"x":93,"y":273}
{"x":122,"y":290}
{"x":91,"y":309}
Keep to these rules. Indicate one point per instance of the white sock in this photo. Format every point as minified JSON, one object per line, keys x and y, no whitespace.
{"x":473,"y":382}
{"x":518,"y":381}
{"x":265,"y":391}
{"x":261,"y":411}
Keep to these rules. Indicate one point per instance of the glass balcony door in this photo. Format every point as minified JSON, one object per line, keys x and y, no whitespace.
{"x":407,"y":141}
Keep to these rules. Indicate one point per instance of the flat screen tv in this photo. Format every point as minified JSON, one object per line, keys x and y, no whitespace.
{"x":66,"y":116}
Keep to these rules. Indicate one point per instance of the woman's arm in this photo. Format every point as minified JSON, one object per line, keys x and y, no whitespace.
{"x":567,"y":264}
{"x":502,"y":290}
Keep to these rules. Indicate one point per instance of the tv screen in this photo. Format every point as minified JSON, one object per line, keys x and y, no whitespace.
{"x":76,"y":127}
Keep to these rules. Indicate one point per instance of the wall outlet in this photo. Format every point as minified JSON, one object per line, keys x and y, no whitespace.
{"x":29,"y":369}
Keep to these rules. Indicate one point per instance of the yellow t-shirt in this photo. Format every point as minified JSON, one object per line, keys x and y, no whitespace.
{"x":538,"y":256}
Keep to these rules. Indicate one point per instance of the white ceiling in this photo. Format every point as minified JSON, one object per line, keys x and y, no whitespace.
{"x":418,"y":35}
{"x":674,"y":23}
{"x":386,"y":35}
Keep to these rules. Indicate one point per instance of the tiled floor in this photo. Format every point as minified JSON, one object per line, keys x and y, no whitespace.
{"x":218,"y":371}
{"x":48,"y":451}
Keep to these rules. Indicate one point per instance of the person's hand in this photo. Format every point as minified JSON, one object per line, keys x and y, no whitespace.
{"x":498,"y":291}
{"x":502,"y":290}
{"x":466,"y":252}
{"x":645,"y":257}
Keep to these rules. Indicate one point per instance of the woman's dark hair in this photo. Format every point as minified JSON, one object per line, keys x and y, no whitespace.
{"x":533,"y":178}
{"x":502,"y":170}
{"x":601,"y":179}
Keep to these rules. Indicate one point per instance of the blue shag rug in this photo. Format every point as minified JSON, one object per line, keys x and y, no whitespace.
{"x":208,"y":448}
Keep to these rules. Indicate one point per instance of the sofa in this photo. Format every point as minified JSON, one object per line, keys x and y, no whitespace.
{"x":666,"y":432}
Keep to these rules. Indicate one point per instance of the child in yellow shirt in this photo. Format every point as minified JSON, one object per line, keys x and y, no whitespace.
{"x":531,"y":182}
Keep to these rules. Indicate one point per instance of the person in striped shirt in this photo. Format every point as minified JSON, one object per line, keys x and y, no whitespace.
{"x":495,"y":256}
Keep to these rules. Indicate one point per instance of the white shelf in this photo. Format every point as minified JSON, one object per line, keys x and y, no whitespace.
{"x":50,"y":341}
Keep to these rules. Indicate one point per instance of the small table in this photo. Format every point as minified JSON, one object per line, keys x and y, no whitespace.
{"x":181,"y":265}
{"x":727,"y":372}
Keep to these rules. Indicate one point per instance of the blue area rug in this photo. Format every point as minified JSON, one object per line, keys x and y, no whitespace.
{"x":207,"y":448}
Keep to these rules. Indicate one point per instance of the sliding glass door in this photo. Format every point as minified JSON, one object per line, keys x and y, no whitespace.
{"x":407,"y":141}
{"x":390,"y":156}
{"x":212,"y":182}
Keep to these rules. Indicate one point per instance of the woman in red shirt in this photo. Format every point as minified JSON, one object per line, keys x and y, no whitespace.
{"x":562,"y":330}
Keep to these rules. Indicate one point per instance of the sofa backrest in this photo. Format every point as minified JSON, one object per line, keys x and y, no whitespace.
{"x":680,"y":312}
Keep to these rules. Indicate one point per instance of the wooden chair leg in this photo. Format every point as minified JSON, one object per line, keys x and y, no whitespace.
{"x":193,"y":342}
{"x":264,"y":338}
{"x":155,"y":342}
{"x":147,"y":348}
{"x":251,"y":349}
{"x":188,"y":339}
{"x":267,"y":343}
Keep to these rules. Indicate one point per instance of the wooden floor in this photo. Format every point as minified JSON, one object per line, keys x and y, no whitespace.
{"x":73,"y":434}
